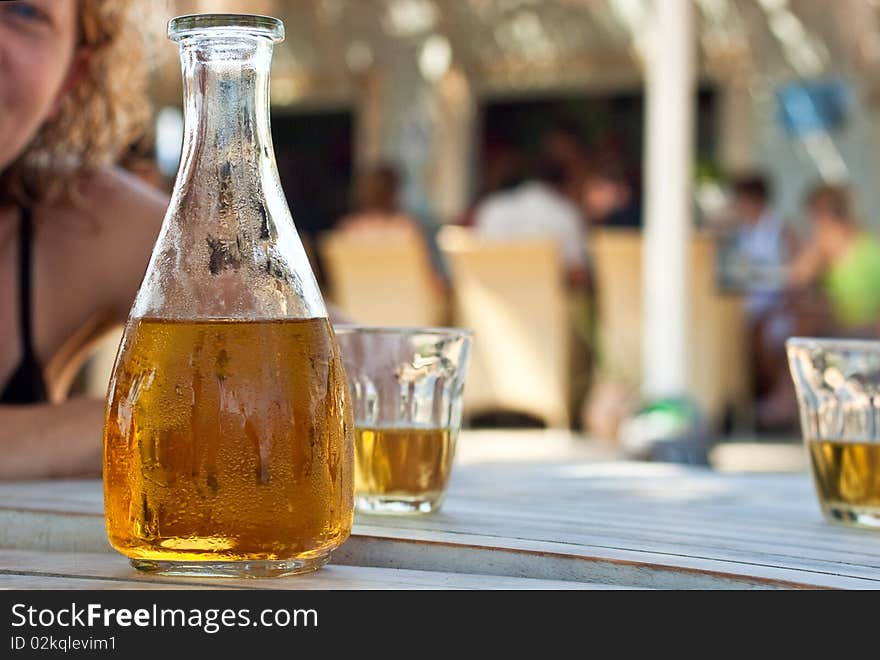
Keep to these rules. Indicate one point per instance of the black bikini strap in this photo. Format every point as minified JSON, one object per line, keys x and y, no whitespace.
{"x":25,"y":248}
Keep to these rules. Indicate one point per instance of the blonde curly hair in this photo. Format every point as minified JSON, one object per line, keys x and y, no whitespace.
{"x":98,"y":119}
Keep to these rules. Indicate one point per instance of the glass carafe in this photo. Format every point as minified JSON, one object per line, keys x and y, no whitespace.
{"x":228,"y":431}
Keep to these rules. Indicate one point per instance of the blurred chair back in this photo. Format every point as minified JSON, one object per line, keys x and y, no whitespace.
{"x":617,"y":259}
{"x":512,"y":295}
{"x":84,"y":363}
{"x":718,"y":370}
{"x":378,"y":281}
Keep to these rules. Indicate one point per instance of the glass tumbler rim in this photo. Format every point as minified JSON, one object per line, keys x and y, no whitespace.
{"x":257,"y":25}
{"x":438,"y":331}
{"x":832,"y":344}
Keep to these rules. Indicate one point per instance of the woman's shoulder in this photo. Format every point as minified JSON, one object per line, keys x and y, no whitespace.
{"x":113,"y":196}
{"x":107,"y":204}
{"x":114,"y":221}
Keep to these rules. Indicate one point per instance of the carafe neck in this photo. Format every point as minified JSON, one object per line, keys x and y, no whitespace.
{"x":227,"y":152}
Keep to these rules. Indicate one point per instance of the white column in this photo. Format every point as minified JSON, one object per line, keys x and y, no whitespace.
{"x":423,"y":125}
{"x":669,"y":128}
{"x":397,"y":123}
{"x":451,"y":172}
{"x":371,"y":124}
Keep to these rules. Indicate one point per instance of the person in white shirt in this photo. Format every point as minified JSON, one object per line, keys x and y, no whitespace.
{"x":762,"y":241}
{"x":538,"y":208}
{"x":764,"y":244}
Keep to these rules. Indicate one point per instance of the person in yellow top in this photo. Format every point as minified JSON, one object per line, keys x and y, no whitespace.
{"x":843,"y":260}
{"x":833,"y":286}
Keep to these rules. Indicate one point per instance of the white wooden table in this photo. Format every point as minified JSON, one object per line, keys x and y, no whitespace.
{"x":525,"y":510}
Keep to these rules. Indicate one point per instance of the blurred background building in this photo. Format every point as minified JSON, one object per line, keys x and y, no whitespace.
{"x":472,"y":121}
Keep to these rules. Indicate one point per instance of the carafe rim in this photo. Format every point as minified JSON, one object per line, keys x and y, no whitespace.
{"x":256,"y":25}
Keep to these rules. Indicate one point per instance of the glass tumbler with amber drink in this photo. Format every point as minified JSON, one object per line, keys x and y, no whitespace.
{"x":406,"y":388}
{"x":838,"y":389}
{"x":228,"y":440}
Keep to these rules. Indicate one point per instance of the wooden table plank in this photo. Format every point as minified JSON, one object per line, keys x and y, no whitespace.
{"x":54,"y":570}
{"x":524,"y":513}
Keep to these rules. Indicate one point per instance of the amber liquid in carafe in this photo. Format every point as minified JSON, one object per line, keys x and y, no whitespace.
{"x":406,"y":462}
{"x":228,"y":440}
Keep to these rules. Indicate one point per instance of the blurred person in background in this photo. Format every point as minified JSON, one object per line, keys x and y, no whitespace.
{"x":504,"y":166}
{"x":833,"y":286}
{"x":610,"y":198}
{"x":539,"y":208}
{"x":843,"y":260}
{"x":564,"y":144}
{"x":376,"y":203}
{"x":75,"y":231}
{"x":377,"y":214}
{"x":762,"y":246}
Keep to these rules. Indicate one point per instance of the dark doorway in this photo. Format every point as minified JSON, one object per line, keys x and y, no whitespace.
{"x":610,"y":125}
{"x":314,"y":152}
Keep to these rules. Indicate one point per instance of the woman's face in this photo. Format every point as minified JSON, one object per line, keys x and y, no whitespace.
{"x":822,"y":218}
{"x":37,"y":47}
